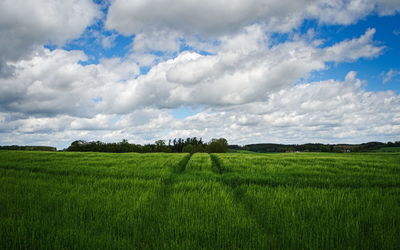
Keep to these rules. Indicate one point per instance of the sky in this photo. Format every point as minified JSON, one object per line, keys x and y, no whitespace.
{"x":273,"y":71}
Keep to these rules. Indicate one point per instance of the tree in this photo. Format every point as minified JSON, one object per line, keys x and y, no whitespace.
{"x":198,"y":148}
{"x":188,"y":148}
{"x":218,"y":146}
{"x":124,"y":146}
{"x":77,"y":145}
{"x":160,"y":146}
{"x":160,"y":143}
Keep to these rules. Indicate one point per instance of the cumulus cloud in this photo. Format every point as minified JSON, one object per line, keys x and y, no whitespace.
{"x":28,"y":24}
{"x":140,"y":126}
{"x":245,"y":69}
{"x":354,"y":49}
{"x":156,"y":41}
{"x":216,"y":17}
{"x":53,"y":82}
{"x":327,"y":111}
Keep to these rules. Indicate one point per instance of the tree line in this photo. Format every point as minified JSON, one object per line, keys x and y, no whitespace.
{"x":193,"y":145}
{"x":177,"y":145}
{"x":28,"y":148}
{"x":315,"y":147}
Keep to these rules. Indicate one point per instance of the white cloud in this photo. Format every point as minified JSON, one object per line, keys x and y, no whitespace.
{"x":217,"y":17}
{"x":140,"y":126}
{"x":191,"y":17}
{"x":244,"y":70}
{"x":388,"y":7}
{"x":28,"y":24}
{"x":341,"y":11}
{"x":354,"y":49}
{"x":108,"y":41}
{"x":156,"y":41}
{"x":328,"y":111}
{"x":53,"y":82}
{"x":390,"y":75}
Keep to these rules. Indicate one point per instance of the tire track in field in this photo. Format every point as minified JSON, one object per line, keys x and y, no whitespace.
{"x":216,"y":166}
{"x":238,"y":194}
{"x":154,"y":214}
{"x":182,"y":164}
{"x":166,"y":183}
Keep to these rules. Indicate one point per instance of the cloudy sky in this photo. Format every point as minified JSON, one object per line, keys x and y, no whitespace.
{"x":250,"y":71}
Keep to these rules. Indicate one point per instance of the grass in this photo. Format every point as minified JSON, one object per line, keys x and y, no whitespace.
{"x":389,"y":149}
{"x":51,"y":200}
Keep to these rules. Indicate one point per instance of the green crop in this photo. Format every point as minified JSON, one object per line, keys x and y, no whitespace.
{"x":53,"y":200}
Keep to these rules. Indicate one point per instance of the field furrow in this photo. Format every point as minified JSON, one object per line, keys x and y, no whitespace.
{"x":201,"y":208}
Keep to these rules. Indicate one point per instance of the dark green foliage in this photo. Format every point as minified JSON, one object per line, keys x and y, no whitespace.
{"x":121,"y":147}
{"x":217,"y":146}
{"x":188,"y":148}
{"x":161,"y":147}
{"x":315,"y":147}
{"x":28,"y":148}
{"x":389,"y":149}
{"x":190,"y":145}
{"x":68,"y":200}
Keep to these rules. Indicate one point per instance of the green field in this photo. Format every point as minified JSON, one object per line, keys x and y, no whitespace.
{"x":54,"y":200}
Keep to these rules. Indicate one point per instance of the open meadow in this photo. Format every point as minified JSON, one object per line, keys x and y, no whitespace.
{"x":64,"y":200}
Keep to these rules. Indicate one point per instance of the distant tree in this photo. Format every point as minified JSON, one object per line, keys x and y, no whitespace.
{"x":160,"y":143}
{"x":199,"y":148}
{"x":28,"y":148}
{"x":218,"y":146}
{"x":160,"y":146}
{"x":124,"y":146}
{"x":77,"y":146}
{"x":188,"y":148}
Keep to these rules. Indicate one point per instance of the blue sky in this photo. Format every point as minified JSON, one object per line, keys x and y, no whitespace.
{"x":371,"y":70}
{"x":309,"y":71}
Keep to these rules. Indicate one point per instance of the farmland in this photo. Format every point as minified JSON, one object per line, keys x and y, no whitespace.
{"x":53,"y":200}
